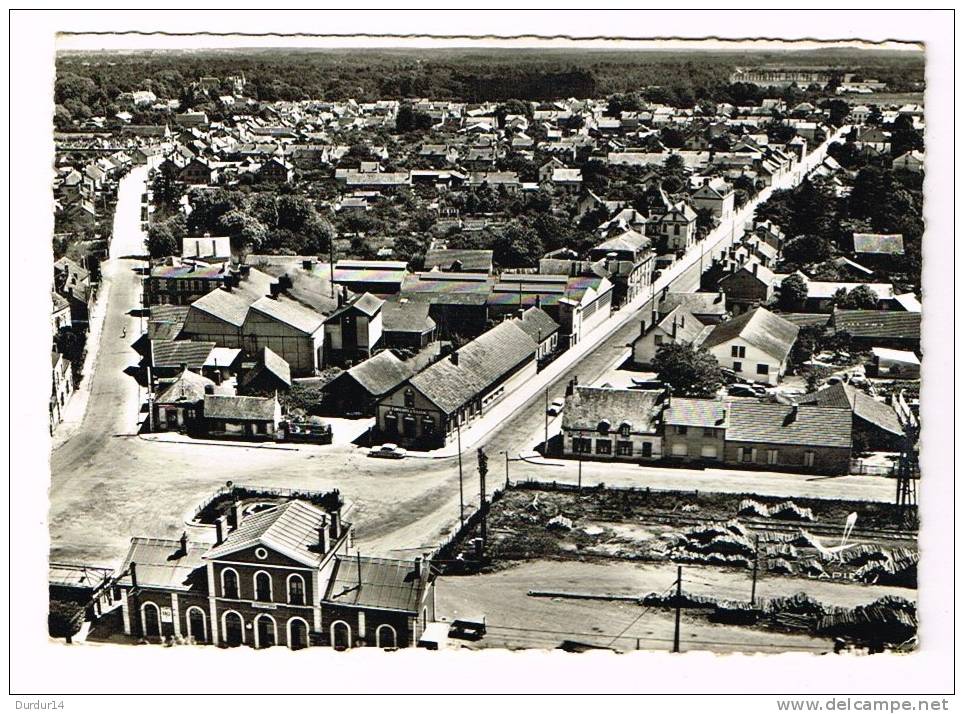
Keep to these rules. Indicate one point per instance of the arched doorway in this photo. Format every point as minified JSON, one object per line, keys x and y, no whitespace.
{"x":340,"y":635}
{"x":151,"y":620}
{"x":197,"y":624}
{"x":386,"y":637}
{"x":265,"y":631}
{"x":233,"y":627}
{"x":297,"y":633}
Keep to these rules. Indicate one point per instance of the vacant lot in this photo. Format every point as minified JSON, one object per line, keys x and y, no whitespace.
{"x":516,"y":620}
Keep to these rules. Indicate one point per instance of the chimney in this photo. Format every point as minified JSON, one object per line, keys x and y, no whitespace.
{"x":754,"y":268}
{"x":418,"y":567}
{"x":275,"y":288}
{"x":184,"y":542}
{"x":183,"y":367}
{"x":719,"y":297}
{"x":454,"y":357}
{"x":308,"y":264}
{"x":220,"y":529}
{"x":133,"y":572}
{"x":209,"y":388}
{"x":324,"y":537}
{"x":236,"y":514}
{"x":334,"y":528}
{"x":674,"y":328}
{"x":682,"y":320}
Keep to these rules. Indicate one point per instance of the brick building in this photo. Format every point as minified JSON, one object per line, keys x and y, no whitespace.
{"x":280,"y":576}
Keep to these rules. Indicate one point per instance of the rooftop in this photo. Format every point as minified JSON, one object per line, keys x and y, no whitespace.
{"x":604,"y":408}
{"x":378,"y":583}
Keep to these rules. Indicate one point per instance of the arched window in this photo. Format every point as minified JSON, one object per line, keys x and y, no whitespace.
{"x":229,"y":583}
{"x":340,"y":635}
{"x":150,"y":620}
{"x":232,"y":626}
{"x":262,"y":586}
{"x":197,"y":624}
{"x":297,"y":633}
{"x":265,"y":631}
{"x":386,"y":637}
{"x":296,"y":589}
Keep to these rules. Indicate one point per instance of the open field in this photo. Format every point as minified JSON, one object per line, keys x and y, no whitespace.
{"x":516,"y":620}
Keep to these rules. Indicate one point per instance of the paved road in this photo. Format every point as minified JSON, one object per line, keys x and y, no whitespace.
{"x":107,"y":403}
{"x":108,"y":485}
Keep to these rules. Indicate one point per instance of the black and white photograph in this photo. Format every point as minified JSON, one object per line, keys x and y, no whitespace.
{"x":431,"y":348}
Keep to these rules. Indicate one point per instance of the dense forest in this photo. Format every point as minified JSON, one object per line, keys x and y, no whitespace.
{"x":680,"y":78}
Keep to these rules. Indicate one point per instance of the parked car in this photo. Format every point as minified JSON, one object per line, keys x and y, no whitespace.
{"x":388,"y":451}
{"x":649,"y":384}
{"x":746,"y":390}
{"x":556,"y":407}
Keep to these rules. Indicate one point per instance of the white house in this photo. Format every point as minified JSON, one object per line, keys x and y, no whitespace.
{"x":756,"y":345}
{"x":717,"y":196}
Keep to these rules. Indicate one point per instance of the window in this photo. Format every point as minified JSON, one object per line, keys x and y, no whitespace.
{"x":745,"y":455}
{"x":676,"y":230}
{"x":772,"y":456}
{"x":229,"y":583}
{"x":680,"y":449}
{"x":261,"y":553}
{"x":296,"y":590}
{"x":709,"y":432}
{"x":624,"y":430}
{"x":391,"y":423}
{"x":658,"y":340}
{"x":763,"y":369}
{"x":604,"y":446}
{"x":262,"y":586}
{"x":624,"y":448}
{"x":738,"y":351}
{"x":737,"y":366}
{"x":808,"y":458}
{"x":409,"y":397}
{"x":581,"y":446}
{"x":428,"y":425}
{"x":681,"y":430}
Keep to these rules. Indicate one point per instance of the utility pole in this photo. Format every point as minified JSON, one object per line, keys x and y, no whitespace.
{"x":679,"y":601}
{"x":331,"y":262}
{"x":579,"y":481}
{"x":507,"y":468}
{"x":458,"y":431}
{"x":483,"y":506}
{"x":545,"y":443}
{"x":756,"y":564}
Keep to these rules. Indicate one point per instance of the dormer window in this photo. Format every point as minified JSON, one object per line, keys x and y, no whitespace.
{"x":625,"y":428}
{"x":603,"y":426}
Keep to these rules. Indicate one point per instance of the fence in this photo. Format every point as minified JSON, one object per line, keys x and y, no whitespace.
{"x":858,"y":466}
{"x":325,"y":499}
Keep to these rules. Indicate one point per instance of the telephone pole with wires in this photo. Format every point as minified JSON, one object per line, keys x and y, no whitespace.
{"x":679,"y":605}
{"x":458,"y":432}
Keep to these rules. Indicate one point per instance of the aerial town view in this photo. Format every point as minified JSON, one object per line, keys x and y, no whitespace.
{"x":487,"y":348}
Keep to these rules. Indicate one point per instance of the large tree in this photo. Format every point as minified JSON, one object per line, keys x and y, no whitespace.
{"x":689,"y":372}
{"x":793,"y":293}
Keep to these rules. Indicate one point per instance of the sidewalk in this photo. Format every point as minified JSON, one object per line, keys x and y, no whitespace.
{"x":524,"y":393}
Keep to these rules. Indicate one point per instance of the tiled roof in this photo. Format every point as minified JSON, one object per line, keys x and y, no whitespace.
{"x":370,"y":271}
{"x":290,"y":529}
{"x":187,"y":388}
{"x":272,"y":363}
{"x":290,"y":313}
{"x":224,"y":305}
{"x":588,"y":407}
{"x":862,"y":405}
{"x":366,"y":303}
{"x":757,"y":422}
{"x":696,"y":303}
{"x":406,"y":316}
{"x":878,"y":323}
{"x":482,"y":362}
{"x":165,"y":321}
{"x":218,"y":406}
{"x":760,"y":328}
{"x":174,"y":353}
{"x":160,"y":563}
{"x":537,"y":324}
{"x":384,"y":584}
{"x":629,"y":240}
{"x":684,"y":411}
{"x":59,"y":302}
{"x":806,"y":319}
{"x":382,"y":373}
{"x":464,"y":259}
